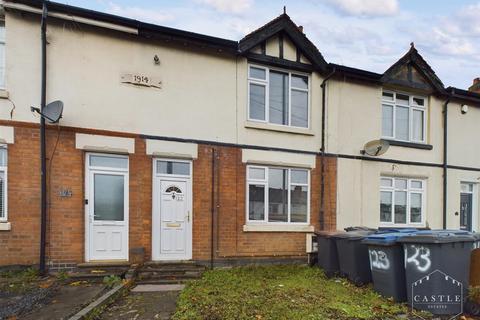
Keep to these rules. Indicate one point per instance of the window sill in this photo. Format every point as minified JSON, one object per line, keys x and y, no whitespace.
{"x":277,"y":228}
{"x":279,"y":128}
{"x":393,"y":225}
{"x":413,"y":145}
{"x":4,"y":94}
{"x":5,"y":226}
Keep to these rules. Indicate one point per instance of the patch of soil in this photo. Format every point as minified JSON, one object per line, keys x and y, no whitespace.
{"x":18,"y":303}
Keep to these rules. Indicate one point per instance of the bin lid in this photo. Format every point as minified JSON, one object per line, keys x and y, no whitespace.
{"x":328,"y":234}
{"x":437,"y":237}
{"x":353,"y":235}
{"x":359,"y":228}
{"x":394,"y":230}
{"x":454,"y":231}
{"x":384,"y":239}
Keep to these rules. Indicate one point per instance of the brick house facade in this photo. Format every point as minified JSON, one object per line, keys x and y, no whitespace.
{"x":65,"y":235}
{"x":262,"y":131}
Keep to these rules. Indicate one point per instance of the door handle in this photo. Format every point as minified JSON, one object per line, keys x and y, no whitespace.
{"x":188,"y":216}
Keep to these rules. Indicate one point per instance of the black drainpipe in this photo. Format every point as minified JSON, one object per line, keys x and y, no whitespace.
{"x":322,"y":150}
{"x":43,"y":220}
{"x":212,"y":255}
{"x":445,"y":163}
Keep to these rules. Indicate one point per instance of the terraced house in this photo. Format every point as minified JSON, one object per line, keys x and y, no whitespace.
{"x":180,"y":146}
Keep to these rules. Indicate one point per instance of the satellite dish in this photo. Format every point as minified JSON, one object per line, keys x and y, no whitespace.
{"x":52,"y":111}
{"x":375,"y":147}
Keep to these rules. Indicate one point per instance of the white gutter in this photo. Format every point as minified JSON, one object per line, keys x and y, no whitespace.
{"x":107,"y":25}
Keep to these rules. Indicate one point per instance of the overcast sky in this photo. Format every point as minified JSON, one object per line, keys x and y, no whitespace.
{"x":366,"y":34}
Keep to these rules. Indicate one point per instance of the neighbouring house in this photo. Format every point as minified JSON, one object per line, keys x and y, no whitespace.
{"x":180,"y":146}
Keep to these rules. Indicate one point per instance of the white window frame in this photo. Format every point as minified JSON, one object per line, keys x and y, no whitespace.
{"x":474,"y":194}
{"x":264,"y":182}
{"x":411,"y":107}
{"x":265,"y":83}
{"x":410,"y":190}
{"x":4,"y":170}
{"x":158,"y":174}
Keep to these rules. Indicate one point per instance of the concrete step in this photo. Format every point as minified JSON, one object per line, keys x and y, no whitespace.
{"x":73,"y":277}
{"x":171,"y":272}
{"x":162,"y":281}
{"x":172,"y":269}
{"x":104,"y":264}
{"x":171,"y":263}
{"x":145,"y":276}
{"x":98,"y":270}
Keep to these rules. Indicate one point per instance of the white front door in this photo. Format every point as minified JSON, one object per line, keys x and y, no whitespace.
{"x":106,"y":207}
{"x":172,"y":226}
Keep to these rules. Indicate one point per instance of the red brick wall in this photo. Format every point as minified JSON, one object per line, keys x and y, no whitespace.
{"x":230,"y":189}
{"x":65,"y":235}
{"x":21,"y":244}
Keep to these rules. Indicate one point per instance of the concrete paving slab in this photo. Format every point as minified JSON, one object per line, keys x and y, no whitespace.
{"x":143,"y":306}
{"x":158,"y":287}
{"x":66,"y":301}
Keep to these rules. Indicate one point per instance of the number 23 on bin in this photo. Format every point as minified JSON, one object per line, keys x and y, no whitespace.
{"x":419,"y":256}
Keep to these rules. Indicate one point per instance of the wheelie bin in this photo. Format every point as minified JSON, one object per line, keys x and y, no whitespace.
{"x":353,"y":256}
{"x":387,"y":264}
{"x":327,"y":252}
{"x":437,"y":265}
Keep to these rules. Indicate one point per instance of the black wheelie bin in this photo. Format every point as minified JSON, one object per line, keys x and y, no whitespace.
{"x":387,"y":264}
{"x":437,"y":265}
{"x":327,"y":252}
{"x":353,"y":256}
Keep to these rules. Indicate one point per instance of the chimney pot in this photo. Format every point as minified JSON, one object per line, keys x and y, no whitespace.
{"x":475,"y":87}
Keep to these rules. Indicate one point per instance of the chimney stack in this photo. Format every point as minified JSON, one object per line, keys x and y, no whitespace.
{"x":475,"y":87}
{"x":301,"y":30}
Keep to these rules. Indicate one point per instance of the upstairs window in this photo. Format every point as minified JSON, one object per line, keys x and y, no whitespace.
{"x":403,"y":117}
{"x":2,"y":54}
{"x":278,"y":97}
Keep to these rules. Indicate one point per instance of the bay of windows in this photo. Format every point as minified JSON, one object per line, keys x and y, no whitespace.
{"x":402,"y":201}
{"x":277,"y":194}
{"x":278,"y":97}
{"x":403,"y":117}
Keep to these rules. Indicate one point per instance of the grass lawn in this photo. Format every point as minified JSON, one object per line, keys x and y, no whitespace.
{"x":280,"y":292}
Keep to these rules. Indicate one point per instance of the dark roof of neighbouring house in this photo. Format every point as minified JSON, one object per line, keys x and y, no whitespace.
{"x":282,"y":23}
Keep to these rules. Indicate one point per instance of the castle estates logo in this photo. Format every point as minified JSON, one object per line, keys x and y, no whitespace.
{"x":439,"y":294}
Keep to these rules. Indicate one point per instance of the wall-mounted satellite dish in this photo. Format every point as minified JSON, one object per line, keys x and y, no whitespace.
{"x":52,"y":111}
{"x":375,"y":147}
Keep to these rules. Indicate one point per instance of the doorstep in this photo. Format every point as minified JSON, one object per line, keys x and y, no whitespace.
{"x":104,"y":263}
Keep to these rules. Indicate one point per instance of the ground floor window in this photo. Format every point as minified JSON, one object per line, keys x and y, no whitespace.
{"x":278,"y":195}
{"x":402,"y":201}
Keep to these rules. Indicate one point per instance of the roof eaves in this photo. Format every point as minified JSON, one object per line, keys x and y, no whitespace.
{"x":463,"y":94}
{"x":356,"y":73}
{"x":143,"y":28}
{"x":416,"y":58}
{"x":284,"y":23}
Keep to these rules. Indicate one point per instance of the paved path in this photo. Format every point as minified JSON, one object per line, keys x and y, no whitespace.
{"x":145,"y":302}
{"x":66,"y":301}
